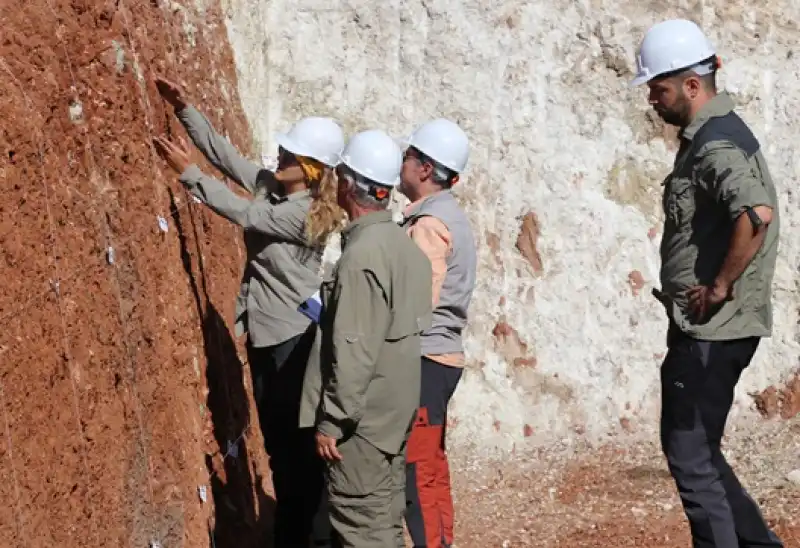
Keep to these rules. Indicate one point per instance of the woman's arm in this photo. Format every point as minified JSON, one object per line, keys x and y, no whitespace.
{"x":216,"y":148}
{"x":285,"y":220}
{"x":222,"y":154}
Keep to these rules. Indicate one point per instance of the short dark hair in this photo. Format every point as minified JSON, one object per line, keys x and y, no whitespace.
{"x":709,"y":80}
{"x":442,"y":175}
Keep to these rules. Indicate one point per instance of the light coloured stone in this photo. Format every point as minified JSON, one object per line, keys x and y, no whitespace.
{"x":541,"y":88}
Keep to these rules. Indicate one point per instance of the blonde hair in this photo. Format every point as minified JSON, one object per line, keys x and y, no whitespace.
{"x":324,"y":215}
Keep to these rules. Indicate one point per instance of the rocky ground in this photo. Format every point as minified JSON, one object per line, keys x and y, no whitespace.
{"x":613,"y":496}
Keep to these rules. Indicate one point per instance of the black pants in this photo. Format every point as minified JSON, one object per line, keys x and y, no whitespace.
{"x":697,"y":383}
{"x":297,"y":472}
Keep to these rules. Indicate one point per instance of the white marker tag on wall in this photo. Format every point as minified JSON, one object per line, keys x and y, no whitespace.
{"x":110,"y":255}
{"x":163,"y":224}
{"x":269,"y":162}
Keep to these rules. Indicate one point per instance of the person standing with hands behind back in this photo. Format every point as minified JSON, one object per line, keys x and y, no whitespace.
{"x":718,"y":254}
{"x":284,"y":237}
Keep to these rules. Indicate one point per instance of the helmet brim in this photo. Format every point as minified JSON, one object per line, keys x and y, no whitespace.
{"x":292,"y":146}
{"x":286,"y":142}
{"x":345,"y":161}
{"x":639,"y":80}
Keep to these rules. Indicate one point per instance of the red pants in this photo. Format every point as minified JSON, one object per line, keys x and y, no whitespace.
{"x":429,"y":505}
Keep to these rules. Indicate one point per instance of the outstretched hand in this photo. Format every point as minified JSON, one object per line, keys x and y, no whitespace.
{"x":173,"y":93}
{"x":176,"y":155}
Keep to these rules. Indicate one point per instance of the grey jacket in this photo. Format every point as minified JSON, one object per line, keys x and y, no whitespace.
{"x":451,"y":312}
{"x":281,"y":269}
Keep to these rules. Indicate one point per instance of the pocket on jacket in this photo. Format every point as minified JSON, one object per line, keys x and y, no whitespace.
{"x":680,"y":206}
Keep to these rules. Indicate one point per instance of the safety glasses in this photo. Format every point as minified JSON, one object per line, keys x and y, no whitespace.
{"x":377,"y":191}
{"x":286,"y":158}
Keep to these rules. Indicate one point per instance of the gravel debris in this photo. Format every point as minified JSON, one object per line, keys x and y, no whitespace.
{"x":614,"y":495}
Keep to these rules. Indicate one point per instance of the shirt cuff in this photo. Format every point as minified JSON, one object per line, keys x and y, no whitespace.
{"x":191,"y":175}
{"x":329,"y":429}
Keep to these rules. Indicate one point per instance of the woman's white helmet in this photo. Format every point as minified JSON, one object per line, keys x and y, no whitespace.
{"x":670,"y":46}
{"x":374,"y":155}
{"x":317,"y":137}
{"x":442,"y":141}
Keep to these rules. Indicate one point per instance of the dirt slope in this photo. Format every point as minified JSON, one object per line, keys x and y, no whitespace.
{"x":116,"y":377}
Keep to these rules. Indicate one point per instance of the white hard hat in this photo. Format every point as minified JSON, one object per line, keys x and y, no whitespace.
{"x":669,"y":46}
{"x":442,"y":141}
{"x":374,"y":155}
{"x":316,"y":137}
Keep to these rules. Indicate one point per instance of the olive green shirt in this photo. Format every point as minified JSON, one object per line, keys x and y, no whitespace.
{"x":375,"y":306}
{"x":281,"y":270}
{"x":719,"y":172}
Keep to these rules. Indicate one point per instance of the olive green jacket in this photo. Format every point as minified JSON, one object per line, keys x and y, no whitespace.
{"x":365,"y":380}
{"x":719,"y":172}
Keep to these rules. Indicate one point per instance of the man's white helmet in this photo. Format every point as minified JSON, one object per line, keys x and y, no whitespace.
{"x":669,"y":46}
{"x":374,"y":155}
{"x":442,"y":141}
{"x":316,"y":137}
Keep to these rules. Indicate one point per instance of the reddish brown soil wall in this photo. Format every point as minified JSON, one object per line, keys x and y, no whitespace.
{"x":120,"y":383}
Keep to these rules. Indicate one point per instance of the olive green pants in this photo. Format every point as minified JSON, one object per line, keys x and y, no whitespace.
{"x":366,"y":496}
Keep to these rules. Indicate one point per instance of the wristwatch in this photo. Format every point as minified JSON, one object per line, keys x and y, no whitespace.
{"x":755,"y":220}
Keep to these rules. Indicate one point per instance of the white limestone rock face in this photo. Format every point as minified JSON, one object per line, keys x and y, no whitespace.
{"x":541,"y":88}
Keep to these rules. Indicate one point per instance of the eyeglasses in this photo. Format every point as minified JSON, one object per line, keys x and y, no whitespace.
{"x":285,"y":157}
{"x":417,"y":155}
